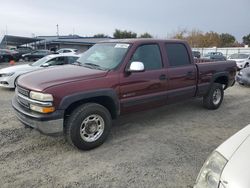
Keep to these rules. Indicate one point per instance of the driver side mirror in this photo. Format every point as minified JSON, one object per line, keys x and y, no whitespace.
{"x":45,"y":65}
{"x":136,"y":66}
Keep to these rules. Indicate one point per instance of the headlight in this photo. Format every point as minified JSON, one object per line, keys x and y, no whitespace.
{"x":41,"y":96}
{"x":209,"y":176}
{"x":240,"y":73}
{"x":7,"y":74}
{"x":42,"y":109}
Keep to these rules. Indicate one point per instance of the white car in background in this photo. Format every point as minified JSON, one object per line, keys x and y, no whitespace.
{"x":228,"y":166}
{"x":67,"y":51}
{"x":242,"y":60}
{"x":9,"y":75}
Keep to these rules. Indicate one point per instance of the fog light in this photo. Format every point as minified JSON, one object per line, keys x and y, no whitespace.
{"x":41,"y":109}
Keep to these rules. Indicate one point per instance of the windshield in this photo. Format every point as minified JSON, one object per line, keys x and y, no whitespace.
{"x":104,"y":56}
{"x":239,"y":56}
{"x":41,"y":61}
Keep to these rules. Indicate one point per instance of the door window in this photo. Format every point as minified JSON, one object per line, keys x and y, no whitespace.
{"x":177,"y":54}
{"x":149,"y":55}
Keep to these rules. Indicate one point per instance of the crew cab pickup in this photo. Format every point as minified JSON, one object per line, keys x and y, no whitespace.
{"x":113,"y":78}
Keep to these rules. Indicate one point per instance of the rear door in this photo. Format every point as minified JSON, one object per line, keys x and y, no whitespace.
{"x":181,"y":72}
{"x":146,"y":89}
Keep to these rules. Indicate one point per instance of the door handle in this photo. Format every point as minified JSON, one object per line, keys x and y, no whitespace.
{"x":163,"y":77}
{"x":189,"y":73}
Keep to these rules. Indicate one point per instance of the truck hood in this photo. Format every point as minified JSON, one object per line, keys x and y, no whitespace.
{"x":45,"y":78}
{"x":236,"y":150}
{"x":18,"y":68}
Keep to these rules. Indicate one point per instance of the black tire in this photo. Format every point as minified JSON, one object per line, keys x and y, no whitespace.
{"x":210,"y":101}
{"x":76,"y":118}
{"x":246,"y":65}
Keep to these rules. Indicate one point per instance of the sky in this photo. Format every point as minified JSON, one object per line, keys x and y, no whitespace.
{"x":161,"y":18}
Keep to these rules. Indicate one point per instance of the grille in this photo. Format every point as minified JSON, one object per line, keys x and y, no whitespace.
{"x":23,"y":91}
{"x":23,"y":102}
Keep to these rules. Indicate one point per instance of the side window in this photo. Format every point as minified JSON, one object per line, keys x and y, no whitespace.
{"x":149,"y":55}
{"x":72,"y":60}
{"x":57,"y":61}
{"x":66,"y":51}
{"x":177,"y":54}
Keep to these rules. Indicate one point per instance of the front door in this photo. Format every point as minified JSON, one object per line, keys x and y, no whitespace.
{"x":142,"y":90}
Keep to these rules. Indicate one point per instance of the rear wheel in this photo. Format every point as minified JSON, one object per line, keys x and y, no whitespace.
{"x":214,"y":97}
{"x":88,"y":126}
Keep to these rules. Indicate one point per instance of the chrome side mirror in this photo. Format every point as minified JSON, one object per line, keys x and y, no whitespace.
{"x":136,"y":66}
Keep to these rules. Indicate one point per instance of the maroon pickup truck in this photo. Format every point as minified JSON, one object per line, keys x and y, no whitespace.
{"x":113,"y":78}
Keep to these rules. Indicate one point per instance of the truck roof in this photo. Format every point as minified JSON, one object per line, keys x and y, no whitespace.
{"x":140,"y":40}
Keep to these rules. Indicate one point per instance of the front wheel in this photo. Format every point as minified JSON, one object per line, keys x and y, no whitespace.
{"x":214,"y":97}
{"x":88,"y":126}
{"x":246,"y":65}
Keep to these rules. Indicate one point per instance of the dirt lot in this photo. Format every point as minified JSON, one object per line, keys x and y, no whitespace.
{"x":164,"y":147}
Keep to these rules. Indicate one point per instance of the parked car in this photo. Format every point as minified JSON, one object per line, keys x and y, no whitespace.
{"x":8,"y":76}
{"x":215,"y":56}
{"x":243,"y":76}
{"x":8,"y":55}
{"x":196,"y":54}
{"x":67,"y":50}
{"x":242,"y":60}
{"x":23,"y":50}
{"x":227,"y":166}
{"x":114,"y":78}
{"x":35,"y":55}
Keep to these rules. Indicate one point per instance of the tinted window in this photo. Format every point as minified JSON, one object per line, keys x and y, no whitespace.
{"x":57,"y":61}
{"x":66,"y":51}
{"x":149,"y":55}
{"x":177,"y":54}
{"x":72,"y":60}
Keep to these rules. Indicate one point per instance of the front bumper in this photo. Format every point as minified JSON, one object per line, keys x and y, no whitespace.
{"x":49,"y":124}
{"x":7,"y":82}
{"x":240,"y":65}
{"x":243,"y":80}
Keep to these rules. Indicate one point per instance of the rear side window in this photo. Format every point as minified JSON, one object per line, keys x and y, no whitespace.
{"x":149,"y":55}
{"x":177,"y":54}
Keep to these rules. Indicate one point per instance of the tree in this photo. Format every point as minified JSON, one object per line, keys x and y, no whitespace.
{"x":246,"y":39}
{"x":146,"y":35}
{"x":227,"y":40}
{"x":100,"y":35}
{"x":119,"y":34}
{"x":211,"y":39}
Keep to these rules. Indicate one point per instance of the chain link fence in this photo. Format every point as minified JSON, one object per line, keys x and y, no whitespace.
{"x":226,"y":51}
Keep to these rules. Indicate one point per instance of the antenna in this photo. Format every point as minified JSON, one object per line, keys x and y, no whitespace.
{"x":57,"y":30}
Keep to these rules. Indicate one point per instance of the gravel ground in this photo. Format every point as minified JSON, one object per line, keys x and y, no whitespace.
{"x":164,"y":147}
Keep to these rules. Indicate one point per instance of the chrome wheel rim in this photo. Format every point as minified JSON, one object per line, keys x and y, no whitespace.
{"x":92,"y":128}
{"x":216,"y":96}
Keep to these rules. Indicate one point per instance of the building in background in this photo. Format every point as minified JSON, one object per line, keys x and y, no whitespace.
{"x":51,"y":42}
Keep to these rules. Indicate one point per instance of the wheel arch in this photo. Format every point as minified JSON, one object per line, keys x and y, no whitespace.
{"x":105,"y":97}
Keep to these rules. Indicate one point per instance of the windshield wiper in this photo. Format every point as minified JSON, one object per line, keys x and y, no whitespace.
{"x":94,"y":66}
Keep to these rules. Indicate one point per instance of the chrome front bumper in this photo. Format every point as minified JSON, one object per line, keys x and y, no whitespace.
{"x":49,"y":124}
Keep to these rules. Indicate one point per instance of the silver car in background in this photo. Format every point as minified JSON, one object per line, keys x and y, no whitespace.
{"x":242,"y":60}
{"x":243,"y":76}
{"x":8,"y":76}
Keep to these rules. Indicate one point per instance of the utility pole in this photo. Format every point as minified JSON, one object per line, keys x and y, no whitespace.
{"x":6,"y":33}
{"x":57,"y":30}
